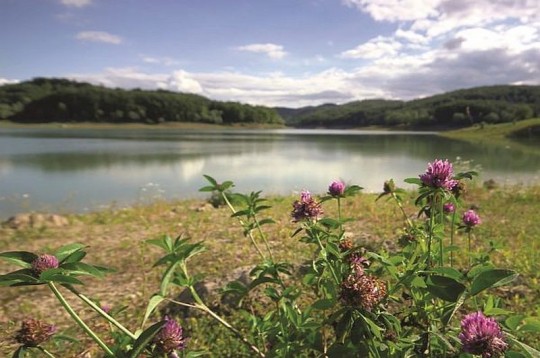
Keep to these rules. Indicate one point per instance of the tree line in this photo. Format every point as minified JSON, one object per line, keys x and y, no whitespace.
{"x":493,"y":104}
{"x":61,"y":100}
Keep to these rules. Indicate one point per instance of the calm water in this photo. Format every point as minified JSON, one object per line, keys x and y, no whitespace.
{"x":77,"y":170}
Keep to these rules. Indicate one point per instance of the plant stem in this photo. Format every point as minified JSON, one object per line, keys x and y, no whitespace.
{"x":441,"y":216}
{"x":452,"y":238}
{"x":78,"y":320}
{"x":102,"y":313}
{"x":323,"y":251}
{"x":46,"y":352}
{"x":398,"y":202}
{"x":469,"y":245}
{"x":242,"y":223}
{"x":199,"y":304}
{"x":263,"y":236}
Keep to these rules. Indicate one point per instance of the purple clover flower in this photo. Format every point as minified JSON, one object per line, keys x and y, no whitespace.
{"x":306,"y":208}
{"x":170,"y":338}
{"x":44,"y":262}
{"x":449,"y":208}
{"x":34,"y":332}
{"x":471,"y":218}
{"x":482,"y":336}
{"x":337,"y":188}
{"x":439,"y":175}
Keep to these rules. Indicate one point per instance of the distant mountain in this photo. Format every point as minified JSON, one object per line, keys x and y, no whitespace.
{"x":61,"y":100}
{"x":493,"y":104}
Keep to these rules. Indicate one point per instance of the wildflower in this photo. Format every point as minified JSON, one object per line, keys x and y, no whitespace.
{"x":482,"y":335}
{"x":34,"y":332}
{"x":169,"y":338}
{"x":439,"y":175}
{"x":44,"y":262}
{"x":449,"y":208}
{"x":364,"y":291}
{"x":306,"y":208}
{"x":337,"y":188}
{"x":345,"y":245}
{"x":358,"y":263}
{"x":470,"y":218}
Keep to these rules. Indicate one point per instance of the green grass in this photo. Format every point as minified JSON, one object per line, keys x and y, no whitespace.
{"x":116,"y":238}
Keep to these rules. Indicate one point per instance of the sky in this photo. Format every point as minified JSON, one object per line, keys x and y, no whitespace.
{"x":290,"y":53}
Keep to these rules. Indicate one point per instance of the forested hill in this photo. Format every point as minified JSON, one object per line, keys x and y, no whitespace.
{"x":494,"y":104}
{"x":61,"y":100}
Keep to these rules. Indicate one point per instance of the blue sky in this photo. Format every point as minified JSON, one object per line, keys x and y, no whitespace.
{"x":275,"y":52}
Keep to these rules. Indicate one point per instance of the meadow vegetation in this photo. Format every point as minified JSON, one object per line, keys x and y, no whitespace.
{"x":507,"y":238}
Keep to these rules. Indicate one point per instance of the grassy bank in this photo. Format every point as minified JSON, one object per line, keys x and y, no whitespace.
{"x":497,"y":133}
{"x":117,"y":239}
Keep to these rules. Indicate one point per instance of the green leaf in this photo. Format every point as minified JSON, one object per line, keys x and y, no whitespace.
{"x":445,"y":288}
{"x":211,"y":180}
{"x":492,"y":278}
{"x":145,"y":338}
{"x":513,"y":322}
{"x":19,"y":353}
{"x":59,"y":275}
{"x":530,"y":324}
{"x":195,"y":354}
{"x":80,"y":268}
{"x":449,"y":272}
{"x":415,"y":181}
{"x":19,"y":258}
{"x":531,"y":352}
{"x":67,"y":250}
{"x":323,"y":304}
{"x":19,"y":277}
{"x":153,"y":302}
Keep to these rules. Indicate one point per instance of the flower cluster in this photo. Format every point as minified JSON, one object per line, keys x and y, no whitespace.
{"x":170,"y":338}
{"x":44,"y":262}
{"x":439,"y":175}
{"x":482,"y":336}
{"x":365,"y":291}
{"x":306,"y":208}
{"x":449,"y":208}
{"x":34,"y":332}
{"x":471,"y":218}
{"x":336,"y":189}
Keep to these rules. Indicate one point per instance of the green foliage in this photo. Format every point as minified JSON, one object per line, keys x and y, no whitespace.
{"x":57,"y":100}
{"x":453,"y":109}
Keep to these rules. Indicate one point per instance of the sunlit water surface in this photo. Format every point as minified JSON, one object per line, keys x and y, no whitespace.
{"x":65,"y":170}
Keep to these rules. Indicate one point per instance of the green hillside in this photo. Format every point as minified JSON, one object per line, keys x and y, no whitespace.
{"x":60,"y":100}
{"x":494,"y":104}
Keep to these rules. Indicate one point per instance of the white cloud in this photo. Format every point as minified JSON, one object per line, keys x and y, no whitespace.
{"x":165,"y":61}
{"x":374,"y":48}
{"x":396,"y":10}
{"x":183,"y":82}
{"x":271,"y":50}
{"x":5,"y":81}
{"x":76,"y":3}
{"x":99,"y":36}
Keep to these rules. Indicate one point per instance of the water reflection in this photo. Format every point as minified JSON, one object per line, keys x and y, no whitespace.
{"x":78,"y":169}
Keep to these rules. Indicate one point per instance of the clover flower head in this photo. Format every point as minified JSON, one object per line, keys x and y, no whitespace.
{"x":306,"y":208}
{"x":34,"y":332}
{"x":449,"y":208}
{"x":482,"y":336}
{"x":364,"y":291}
{"x":439,"y":175}
{"x":337,"y":188}
{"x":44,"y":262}
{"x":170,"y":338}
{"x":471,"y":218}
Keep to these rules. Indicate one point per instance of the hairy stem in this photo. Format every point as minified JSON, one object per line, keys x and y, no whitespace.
{"x":79,"y":321}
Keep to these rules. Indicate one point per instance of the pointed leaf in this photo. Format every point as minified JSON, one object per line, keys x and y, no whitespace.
{"x":80,"y":268}
{"x":19,"y":258}
{"x":445,"y":288}
{"x":415,"y":181}
{"x":492,"y":278}
{"x":67,"y":250}
{"x":145,"y":338}
{"x":19,"y":353}
{"x":211,"y":180}
{"x":153,"y":302}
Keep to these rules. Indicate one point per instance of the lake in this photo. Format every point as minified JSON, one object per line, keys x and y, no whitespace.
{"x":66,"y":170}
